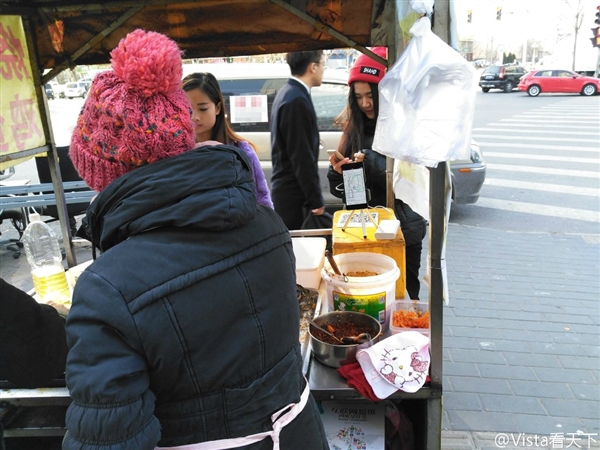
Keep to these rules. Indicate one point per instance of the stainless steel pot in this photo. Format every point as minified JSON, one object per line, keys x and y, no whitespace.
{"x":339,"y":355}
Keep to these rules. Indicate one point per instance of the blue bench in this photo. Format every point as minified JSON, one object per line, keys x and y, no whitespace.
{"x":38,"y":195}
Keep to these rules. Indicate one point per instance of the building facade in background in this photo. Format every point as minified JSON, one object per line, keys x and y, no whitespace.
{"x":538,"y":33}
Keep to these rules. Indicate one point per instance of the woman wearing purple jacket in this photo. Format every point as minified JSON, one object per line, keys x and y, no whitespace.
{"x":210,"y":124}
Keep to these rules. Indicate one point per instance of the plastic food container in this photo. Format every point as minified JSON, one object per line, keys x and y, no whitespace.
{"x":310,"y":254}
{"x":409,"y":306}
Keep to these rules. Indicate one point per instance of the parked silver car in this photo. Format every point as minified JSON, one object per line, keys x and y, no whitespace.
{"x":264,"y":80}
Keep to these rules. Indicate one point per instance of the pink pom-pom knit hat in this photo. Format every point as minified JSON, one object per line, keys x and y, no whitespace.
{"x":134,"y":114}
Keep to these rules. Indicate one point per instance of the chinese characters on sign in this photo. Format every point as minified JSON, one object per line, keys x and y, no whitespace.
{"x":20,"y":122}
{"x":12,"y":57}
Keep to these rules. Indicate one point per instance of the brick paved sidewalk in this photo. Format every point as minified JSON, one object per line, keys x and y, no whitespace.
{"x":521,"y":333}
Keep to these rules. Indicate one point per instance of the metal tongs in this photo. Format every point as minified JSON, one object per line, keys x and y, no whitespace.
{"x":334,"y":265}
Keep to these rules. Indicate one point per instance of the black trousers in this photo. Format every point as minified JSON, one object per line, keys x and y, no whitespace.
{"x":413,"y":263}
{"x":289,"y":208}
{"x":414,"y":228}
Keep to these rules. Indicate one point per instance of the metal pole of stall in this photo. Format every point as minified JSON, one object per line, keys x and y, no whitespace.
{"x":437,"y":232}
{"x":437,"y":183}
{"x":55,"y":174}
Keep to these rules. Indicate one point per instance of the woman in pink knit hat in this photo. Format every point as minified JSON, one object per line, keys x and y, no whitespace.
{"x":183,"y":333}
{"x":358,"y":122}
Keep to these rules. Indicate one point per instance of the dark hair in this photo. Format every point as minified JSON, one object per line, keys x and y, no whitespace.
{"x":352,"y":120}
{"x":207,"y":83}
{"x":299,"y":61}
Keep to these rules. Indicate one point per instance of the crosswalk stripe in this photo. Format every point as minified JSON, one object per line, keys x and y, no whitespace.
{"x":559,"y":148}
{"x":545,"y":132}
{"x":528,"y":138}
{"x":544,"y":187}
{"x":519,"y":124}
{"x":559,"y":114}
{"x":538,"y":209}
{"x":544,"y":119}
{"x":544,"y":170}
{"x":542,"y":157}
{"x":569,"y":106}
{"x":560,"y":117}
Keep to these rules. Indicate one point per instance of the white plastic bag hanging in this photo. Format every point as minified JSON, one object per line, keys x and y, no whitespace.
{"x":426,"y":102}
{"x":422,"y":6}
{"x":411,"y":185}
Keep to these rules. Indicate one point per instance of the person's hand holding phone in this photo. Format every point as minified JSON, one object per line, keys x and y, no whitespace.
{"x":337,"y":160}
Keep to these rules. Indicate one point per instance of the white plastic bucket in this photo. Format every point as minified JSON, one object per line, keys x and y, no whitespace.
{"x":372,"y":295}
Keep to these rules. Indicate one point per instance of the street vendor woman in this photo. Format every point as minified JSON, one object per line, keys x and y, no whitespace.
{"x":184,"y":331}
{"x":358,"y":120}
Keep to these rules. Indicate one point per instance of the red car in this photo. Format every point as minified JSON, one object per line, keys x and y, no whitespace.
{"x":558,"y":81}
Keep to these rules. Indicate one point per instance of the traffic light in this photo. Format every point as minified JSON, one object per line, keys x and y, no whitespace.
{"x":499,"y":13}
{"x":469,"y":16}
{"x":596,"y":39}
{"x":597,"y":21}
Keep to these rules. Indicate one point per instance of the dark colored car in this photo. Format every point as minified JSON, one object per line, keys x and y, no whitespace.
{"x":505,"y":78}
{"x":49,"y":92}
{"x":564,"y":81}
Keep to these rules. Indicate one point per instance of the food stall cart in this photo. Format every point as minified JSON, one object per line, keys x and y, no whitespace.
{"x":61,"y":34}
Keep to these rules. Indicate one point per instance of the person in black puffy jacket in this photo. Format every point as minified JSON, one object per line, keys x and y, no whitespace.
{"x":33,"y":342}
{"x":184,"y":331}
{"x":358,"y":120}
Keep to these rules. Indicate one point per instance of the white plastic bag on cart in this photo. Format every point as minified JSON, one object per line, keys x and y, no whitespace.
{"x":426,"y":102}
{"x":411,"y":185}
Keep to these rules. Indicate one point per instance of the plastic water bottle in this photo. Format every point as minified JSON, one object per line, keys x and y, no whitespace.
{"x":43,"y":253}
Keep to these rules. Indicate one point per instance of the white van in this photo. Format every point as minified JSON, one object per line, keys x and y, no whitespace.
{"x":77,"y":89}
{"x":329,"y":99}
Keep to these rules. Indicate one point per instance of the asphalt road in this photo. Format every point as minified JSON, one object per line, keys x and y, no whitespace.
{"x":543,"y":157}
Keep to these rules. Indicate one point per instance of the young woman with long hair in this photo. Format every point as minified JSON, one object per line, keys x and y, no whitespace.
{"x":210,"y":124}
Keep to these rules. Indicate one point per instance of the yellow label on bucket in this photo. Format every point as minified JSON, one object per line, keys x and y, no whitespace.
{"x":371,"y":304}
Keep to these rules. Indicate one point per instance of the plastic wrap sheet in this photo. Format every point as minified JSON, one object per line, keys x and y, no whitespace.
{"x":426,"y":102}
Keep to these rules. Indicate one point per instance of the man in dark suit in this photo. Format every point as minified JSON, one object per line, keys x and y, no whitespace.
{"x":295,"y":187}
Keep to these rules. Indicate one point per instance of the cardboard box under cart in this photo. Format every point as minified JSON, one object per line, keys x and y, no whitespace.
{"x":352,"y":240}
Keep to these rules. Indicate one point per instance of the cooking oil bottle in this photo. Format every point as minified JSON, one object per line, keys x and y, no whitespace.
{"x":45,"y":259}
